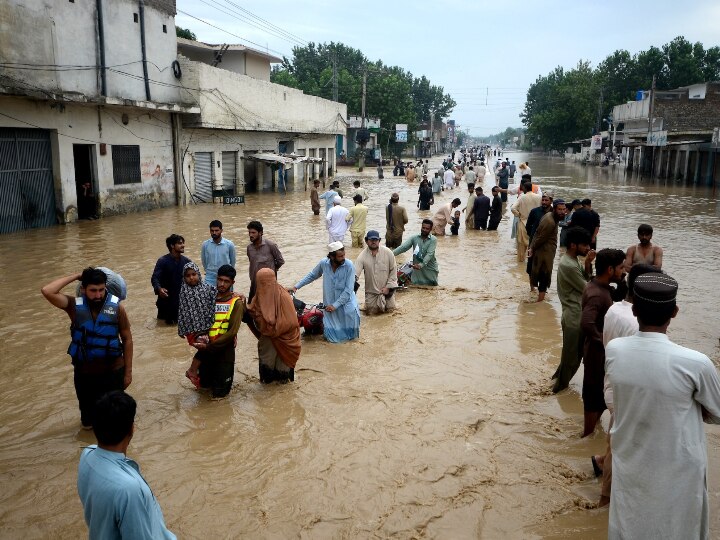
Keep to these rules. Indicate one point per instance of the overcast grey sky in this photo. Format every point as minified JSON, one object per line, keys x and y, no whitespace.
{"x":485,"y":54}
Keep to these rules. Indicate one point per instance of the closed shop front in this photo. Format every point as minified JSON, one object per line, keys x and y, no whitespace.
{"x":203,"y":176}
{"x":27,"y":192}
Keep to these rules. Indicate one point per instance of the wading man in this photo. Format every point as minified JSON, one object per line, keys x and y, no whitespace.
{"x":167,"y":278}
{"x":261,"y":253}
{"x":395,"y":218}
{"x":644,"y":252}
{"x":217,"y":358}
{"x":342,"y":315}
{"x":378,"y":264}
{"x":101,"y":345}
{"x":596,"y":300}
{"x":117,"y":501}
{"x":425,"y":265}
{"x":337,"y":225}
{"x":521,"y":209}
{"x":443,"y":216}
{"x":543,"y":247}
{"x":215,"y":252}
{"x":481,"y":209}
{"x":571,"y":281}
{"x":662,"y":394}
{"x":357,"y":217}
{"x":315,"y":198}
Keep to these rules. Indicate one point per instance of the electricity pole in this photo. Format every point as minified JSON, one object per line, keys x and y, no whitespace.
{"x":361,"y":160}
{"x":432,"y":136}
{"x":335,"y":77}
{"x":651,"y":121}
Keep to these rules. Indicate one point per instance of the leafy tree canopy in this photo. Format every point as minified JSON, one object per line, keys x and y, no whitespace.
{"x":566,"y":105}
{"x":393,"y":94}
{"x":185,"y":33}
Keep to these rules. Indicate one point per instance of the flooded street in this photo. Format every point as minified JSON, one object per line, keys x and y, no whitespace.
{"x":438,"y":422}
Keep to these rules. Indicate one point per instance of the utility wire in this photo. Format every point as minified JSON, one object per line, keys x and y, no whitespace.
{"x":268,"y":23}
{"x":228,"y":32}
{"x":232,"y":13}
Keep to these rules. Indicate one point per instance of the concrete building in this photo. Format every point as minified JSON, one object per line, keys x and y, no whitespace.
{"x":673,"y":135}
{"x":90,"y":92}
{"x":354,"y":123}
{"x":244,"y":120}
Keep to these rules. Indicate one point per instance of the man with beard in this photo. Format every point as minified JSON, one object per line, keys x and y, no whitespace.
{"x":644,"y":252}
{"x":101,"y":345}
{"x":533,"y":221}
{"x":543,"y":247}
{"x":342,"y":315}
{"x":215,"y":252}
{"x":378,"y":263}
{"x":425,"y":266}
{"x":596,"y":300}
{"x":571,"y":281}
{"x":217,"y":358}
{"x":395,"y":219}
{"x":167,"y":278}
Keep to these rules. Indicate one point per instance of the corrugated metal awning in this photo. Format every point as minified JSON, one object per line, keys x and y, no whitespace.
{"x":281,"y":158}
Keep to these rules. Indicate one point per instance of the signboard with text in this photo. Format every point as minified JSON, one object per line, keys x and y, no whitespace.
{"x":401,"y":132}
{"x":596,"y":142}
{"x":657,"y":138}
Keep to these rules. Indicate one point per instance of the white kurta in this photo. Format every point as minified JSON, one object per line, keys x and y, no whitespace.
{"x":658,"y":441}
{"x":336,"y":223}
{"x":619,"y":322}
{"x":449,"y":178}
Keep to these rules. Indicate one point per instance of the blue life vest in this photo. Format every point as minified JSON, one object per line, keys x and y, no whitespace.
{"x":98,"y":340}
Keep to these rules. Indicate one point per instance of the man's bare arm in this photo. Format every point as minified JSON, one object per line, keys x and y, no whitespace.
{"x":52,"y":293}
{"x":658,"y":257}
{"x":629,"y":258}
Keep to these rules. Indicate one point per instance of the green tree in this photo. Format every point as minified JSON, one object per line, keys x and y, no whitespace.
{"x":185,"y":33}
{"x":393,"y":94}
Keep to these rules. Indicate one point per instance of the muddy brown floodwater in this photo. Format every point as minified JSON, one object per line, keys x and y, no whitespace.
{"x":436,"y":423}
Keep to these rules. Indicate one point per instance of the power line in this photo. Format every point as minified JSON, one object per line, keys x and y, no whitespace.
{"x":235,"y":14}
{"x":228,"y":32}
{"x":268,"y":24}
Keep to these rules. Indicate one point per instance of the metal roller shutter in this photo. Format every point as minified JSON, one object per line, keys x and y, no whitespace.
{"x":27,"y":191}
{"x":203,"y":176}
{"x":229,"y":171}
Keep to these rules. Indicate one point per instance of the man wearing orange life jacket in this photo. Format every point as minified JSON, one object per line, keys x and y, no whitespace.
{"x":217,"y":358}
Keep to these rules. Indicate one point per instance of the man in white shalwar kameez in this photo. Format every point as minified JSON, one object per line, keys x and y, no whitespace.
{"x":662,"y":392}
{"x":337,"y":225}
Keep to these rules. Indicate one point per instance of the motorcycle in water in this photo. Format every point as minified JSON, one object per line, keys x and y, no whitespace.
{"x":310,"y":316}
{"x":404,"y":272}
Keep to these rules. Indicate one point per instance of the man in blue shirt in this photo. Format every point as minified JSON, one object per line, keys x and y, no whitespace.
{"x":117,"y":501}
{"x":342,"y":315}
{"x":215,"y":252}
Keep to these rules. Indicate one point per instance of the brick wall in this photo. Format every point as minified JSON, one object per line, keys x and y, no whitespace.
{"x":691,"y":114}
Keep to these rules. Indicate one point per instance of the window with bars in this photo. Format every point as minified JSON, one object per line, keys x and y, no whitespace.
{"x":126,"y":164}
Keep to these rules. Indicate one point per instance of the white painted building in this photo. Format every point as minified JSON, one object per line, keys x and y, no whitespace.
{"x":88,"y":93}
{"x":242,"y":114}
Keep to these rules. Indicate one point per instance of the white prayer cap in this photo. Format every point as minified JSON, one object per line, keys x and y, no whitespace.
{"x":337,"y":199}
{"x":335,"y":246}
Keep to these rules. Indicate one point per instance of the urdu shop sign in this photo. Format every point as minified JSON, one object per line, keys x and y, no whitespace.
{"x":657,"y":138}
{"x":401,"y":132}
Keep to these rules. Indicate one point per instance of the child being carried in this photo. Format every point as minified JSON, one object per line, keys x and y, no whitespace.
{"x":197,"y":313}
